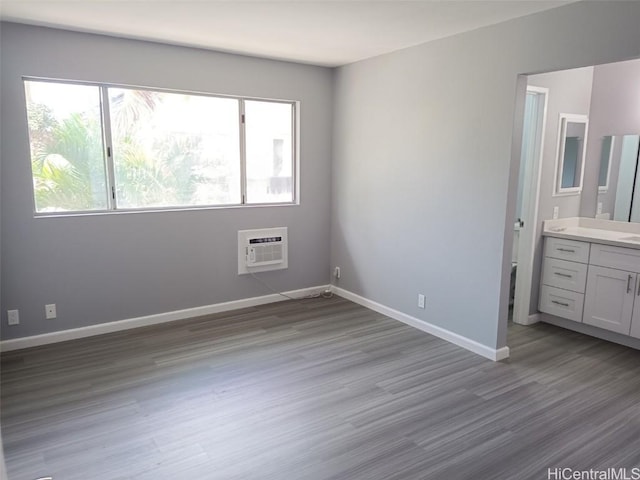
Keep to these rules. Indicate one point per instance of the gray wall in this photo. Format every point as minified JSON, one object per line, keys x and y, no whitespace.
{"x":569,"y":92}
{"x":422,"y":166}
{"x":615,"y":110}
{"x":117,"y":266}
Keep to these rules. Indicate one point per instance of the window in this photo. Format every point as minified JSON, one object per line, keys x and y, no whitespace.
{"x":67,"y":148}
{"x":104,"y":148}
{"x":269,"y":143}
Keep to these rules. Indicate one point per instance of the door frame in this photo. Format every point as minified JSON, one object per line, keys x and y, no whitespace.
{"x":530,"y":198}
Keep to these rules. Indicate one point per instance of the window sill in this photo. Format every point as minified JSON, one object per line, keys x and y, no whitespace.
{"x":127,"y":211}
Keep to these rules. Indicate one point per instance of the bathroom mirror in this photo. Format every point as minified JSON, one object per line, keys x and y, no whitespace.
{"x":605,"y":163}
{"x":572,"y":140}
{"x":620,"y":200}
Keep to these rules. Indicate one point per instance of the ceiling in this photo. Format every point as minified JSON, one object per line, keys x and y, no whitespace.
{"x":328,"y":33}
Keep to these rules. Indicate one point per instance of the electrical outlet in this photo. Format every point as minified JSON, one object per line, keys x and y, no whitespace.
{"x":336,"y":272}
{"x":556,"y":212}
{"x":13,"y":317}
{"x":599,"y":211}
{"x":421,"y":300}
{"x":50,"y":311}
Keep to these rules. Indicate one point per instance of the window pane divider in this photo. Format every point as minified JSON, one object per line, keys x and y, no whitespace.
{"x":108,"y":148}
{"x":243,"y":153}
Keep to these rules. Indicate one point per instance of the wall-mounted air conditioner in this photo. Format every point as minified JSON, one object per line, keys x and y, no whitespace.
{"x":262,"y":250}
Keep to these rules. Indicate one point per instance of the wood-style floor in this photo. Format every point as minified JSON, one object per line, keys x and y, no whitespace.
{"x":316,"y":389}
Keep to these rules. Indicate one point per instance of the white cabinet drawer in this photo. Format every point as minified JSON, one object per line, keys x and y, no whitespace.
{"x":562,"y":249}
{"x":615,"y":257}
{"x":564,"y":274}
{"x":561,"y":303}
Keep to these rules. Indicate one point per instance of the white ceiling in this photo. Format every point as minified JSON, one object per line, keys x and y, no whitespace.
{"x":329,"y":33}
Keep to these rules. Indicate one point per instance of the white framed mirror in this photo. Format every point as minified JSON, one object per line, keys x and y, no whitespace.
{"x":572,"y":141}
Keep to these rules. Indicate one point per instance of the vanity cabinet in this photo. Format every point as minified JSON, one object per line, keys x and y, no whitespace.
{"x":612,"y":298}
{"x":592,"y":283}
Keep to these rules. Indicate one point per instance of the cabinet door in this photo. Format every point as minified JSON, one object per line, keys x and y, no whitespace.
{"x":609,"y":299}
{"x":635,"y":318}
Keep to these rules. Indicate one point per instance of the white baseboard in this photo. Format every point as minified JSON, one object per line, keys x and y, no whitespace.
{"x":119,"y":325}
{"x":530,"y":320}
{"x":459,"y":340}
{"x":534,"y":318}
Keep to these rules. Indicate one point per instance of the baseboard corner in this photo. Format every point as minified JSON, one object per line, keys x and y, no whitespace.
{"x":442,"y":333}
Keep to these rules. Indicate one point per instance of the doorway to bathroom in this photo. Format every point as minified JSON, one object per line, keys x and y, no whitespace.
{"x":527,"y":204}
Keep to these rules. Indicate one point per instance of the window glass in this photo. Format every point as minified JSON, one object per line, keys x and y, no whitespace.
{"x":150,"y":149}
{"x":67,"y":150}
{"x":171,"y":149}
{"x":269,"y":140}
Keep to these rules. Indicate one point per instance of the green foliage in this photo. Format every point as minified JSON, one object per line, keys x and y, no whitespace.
{"x":67,"y":165}
{"x":42,"y":124}
{"x":152,"y":168}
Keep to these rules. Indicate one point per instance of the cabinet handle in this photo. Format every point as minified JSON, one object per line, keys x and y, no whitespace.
{"x":560,"y":303}
{"x":639,"y":289}
{"x":566,"y":250}
{"x":563,"y":275}
{"x":629,"y":278}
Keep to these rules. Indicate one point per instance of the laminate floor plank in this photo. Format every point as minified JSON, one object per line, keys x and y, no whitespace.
{"x":318,"y":389}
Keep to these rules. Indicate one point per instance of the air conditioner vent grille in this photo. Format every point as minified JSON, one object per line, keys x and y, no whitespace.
{"x":262,"y":250}
{"x":266,"y":254}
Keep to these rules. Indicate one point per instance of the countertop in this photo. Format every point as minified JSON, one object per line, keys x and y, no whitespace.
{"x":607,"y":232}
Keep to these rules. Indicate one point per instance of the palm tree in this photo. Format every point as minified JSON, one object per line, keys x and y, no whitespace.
{"x":153,"y":166}
{"x":67,"y":161}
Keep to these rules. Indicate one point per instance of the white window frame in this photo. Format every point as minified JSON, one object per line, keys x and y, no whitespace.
{"x":565,"y":118}
{"x":112,"y":206}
